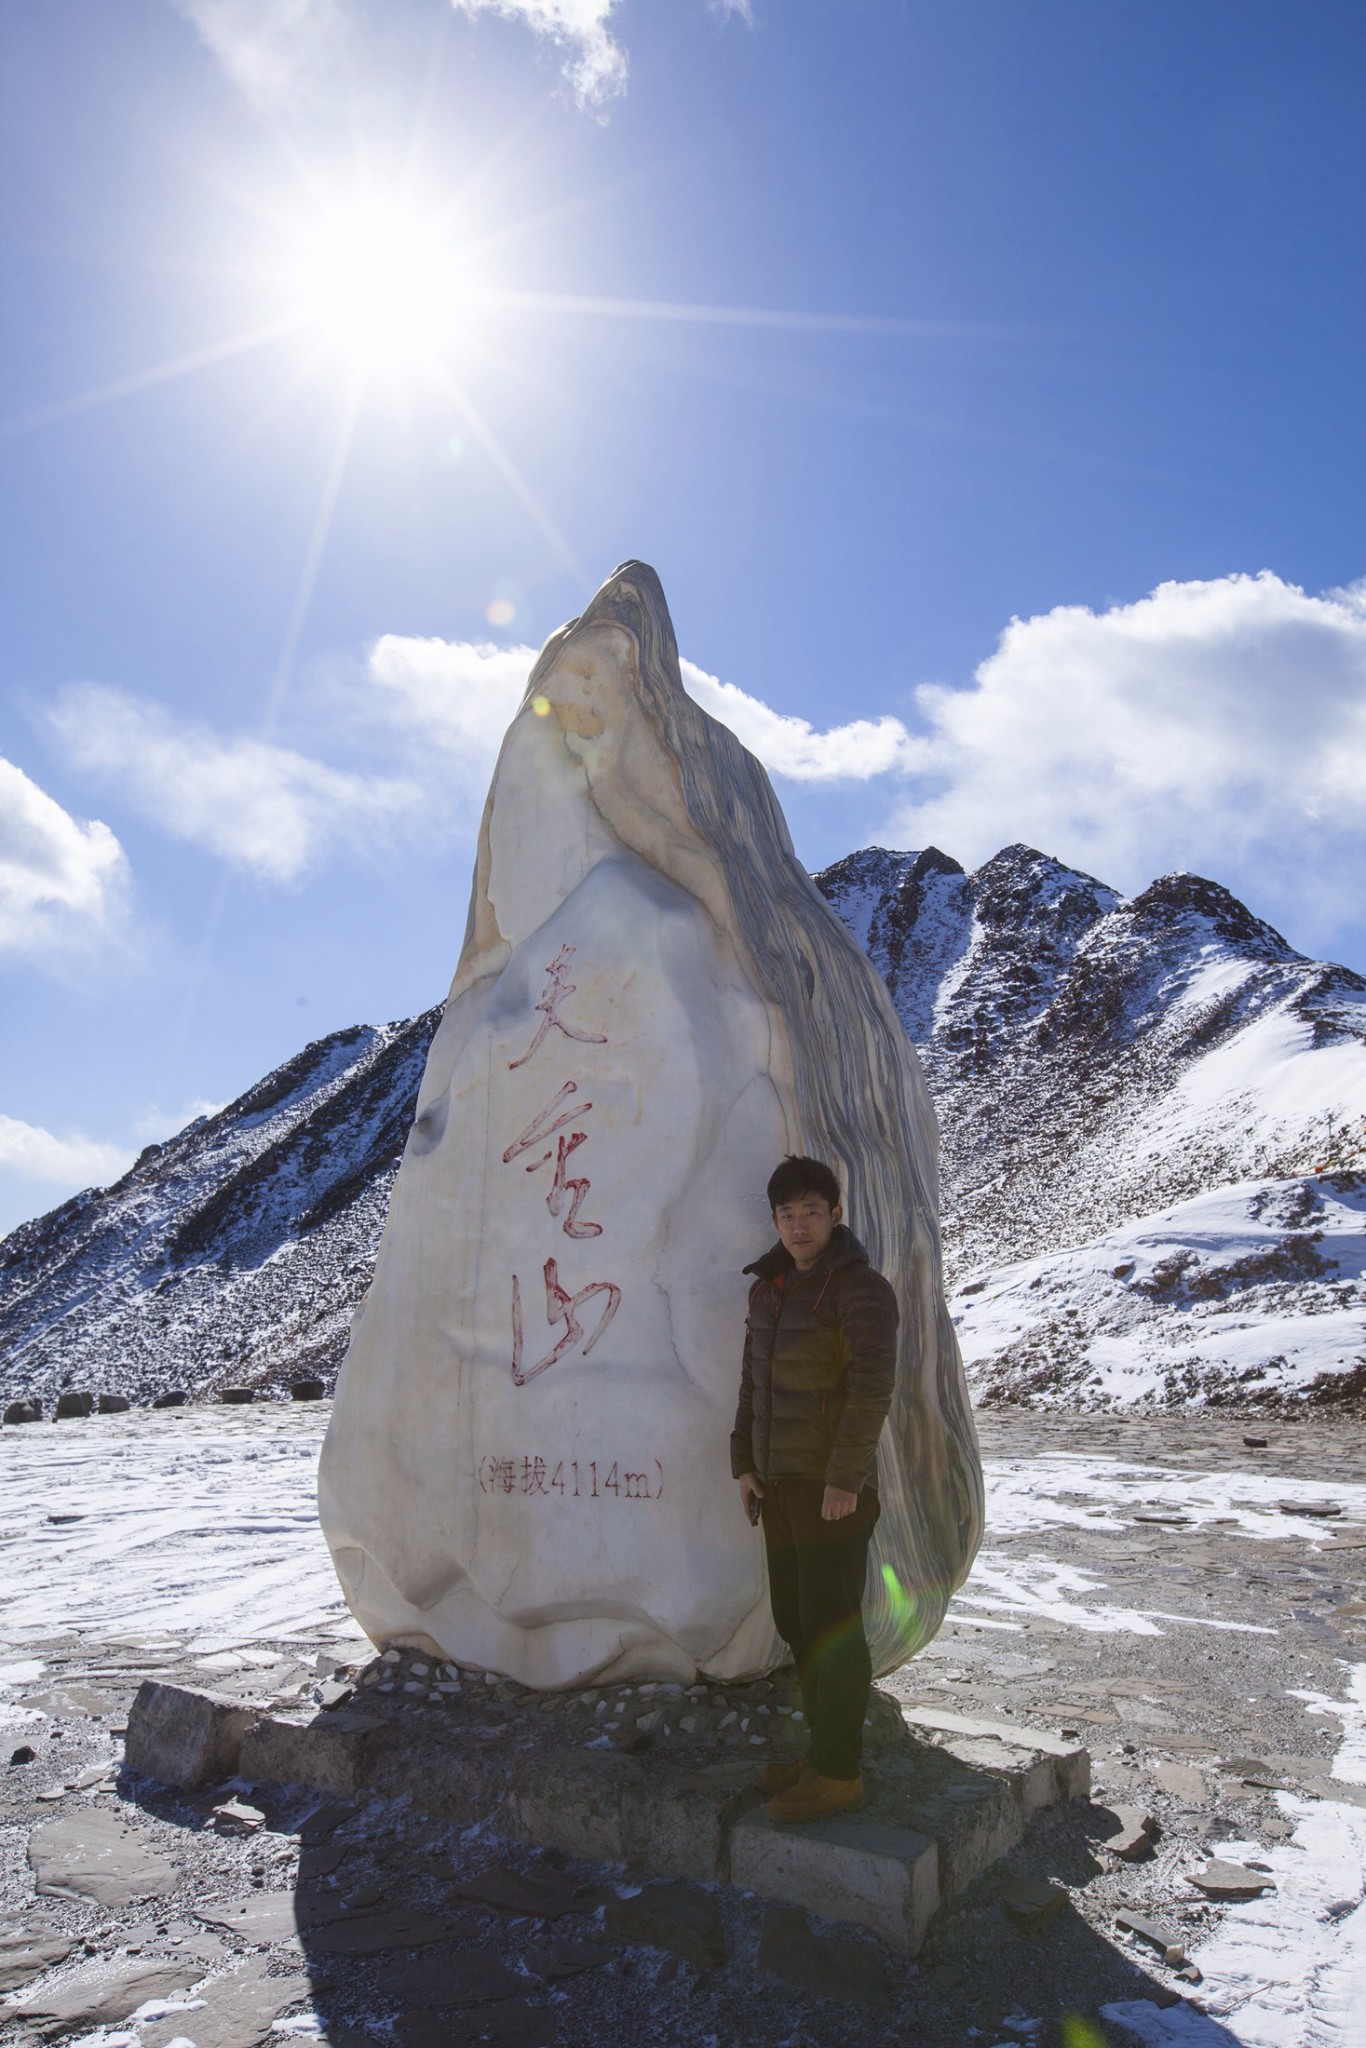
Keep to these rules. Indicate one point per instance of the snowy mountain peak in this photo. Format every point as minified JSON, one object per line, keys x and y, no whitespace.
{"x":1101,"y":1067}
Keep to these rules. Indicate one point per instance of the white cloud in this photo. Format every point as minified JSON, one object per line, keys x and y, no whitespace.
{"x":60,"y":881}
{"x":597,"y":65}
{"x":1216,"y":725}
{"x":35,"y":1154}
{"x":273,"y":50}
{"x":790,"y":746}
{"x":258,"y":805}
{"x":459,"y":694}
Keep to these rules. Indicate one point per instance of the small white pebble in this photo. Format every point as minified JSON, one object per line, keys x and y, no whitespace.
{"x":412,"y":1685}
{"x":727,"y":1719}
{"x":688,"y":1723}
{"x":421,"y":1670}
{"x":761,"y":1710}
{"x":389,"y":1657}
{"x":756,"y":1738}
{"x":600,"y":1709}
{"x":491,"y":1678}
{"x":744,"y":1725}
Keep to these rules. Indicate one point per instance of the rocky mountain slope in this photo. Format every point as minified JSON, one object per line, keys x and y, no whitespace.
{"x":1100,"y":1065}
{"x":232,"y":1255}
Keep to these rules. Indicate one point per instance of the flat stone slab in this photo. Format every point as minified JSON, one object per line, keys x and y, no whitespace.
{"x":27,"y":1951}
{"x":101,"y":1994}
{"x":96,"y":1855}
{"x":238,"y":2010}
{"x":266,"y":1918}
{"x":670,"y":1916}
{"x":459,"y":1977}
{"x":828,"y":1965}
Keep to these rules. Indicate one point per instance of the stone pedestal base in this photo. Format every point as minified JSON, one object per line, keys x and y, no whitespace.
{"x":947,"y":1796}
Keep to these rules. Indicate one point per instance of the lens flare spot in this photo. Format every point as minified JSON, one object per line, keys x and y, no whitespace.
{"x":501,"y":612}
{"x":541,"y":706}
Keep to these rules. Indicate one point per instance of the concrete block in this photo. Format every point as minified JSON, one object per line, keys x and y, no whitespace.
{"x":689,"y":1819}
{"x":1060,"y":1768}
{"x":869,"y":1872}
{"x":588,"y":1803}
{"x":441,"y":1778}
{"x":975,"y":1821}
{"x":185,"y":1738}
{"x":333,"y":1753}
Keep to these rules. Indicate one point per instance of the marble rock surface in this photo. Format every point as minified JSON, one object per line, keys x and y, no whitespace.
{"x":527,"y":1466}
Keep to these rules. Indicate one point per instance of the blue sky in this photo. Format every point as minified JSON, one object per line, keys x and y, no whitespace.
{"x":984,"y":380}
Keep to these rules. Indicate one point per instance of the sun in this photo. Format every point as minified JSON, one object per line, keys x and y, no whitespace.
{"x":382,"y":282}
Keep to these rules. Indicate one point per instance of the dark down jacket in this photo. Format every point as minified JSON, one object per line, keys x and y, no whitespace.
{"x":819,"y":1367}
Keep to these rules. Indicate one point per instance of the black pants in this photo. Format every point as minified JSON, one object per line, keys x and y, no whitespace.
{"x":816,"y":1571}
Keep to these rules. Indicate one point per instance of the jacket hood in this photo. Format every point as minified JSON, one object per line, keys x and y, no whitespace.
{"x":843,"y":1249}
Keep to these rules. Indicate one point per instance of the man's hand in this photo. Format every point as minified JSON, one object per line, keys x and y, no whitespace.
{"x":836,"y":1504}
{"x":751,"y":1493}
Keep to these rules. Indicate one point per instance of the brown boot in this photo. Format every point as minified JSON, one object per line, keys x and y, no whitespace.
{"x":780,"y":1777}
{"x":816,"y":1798}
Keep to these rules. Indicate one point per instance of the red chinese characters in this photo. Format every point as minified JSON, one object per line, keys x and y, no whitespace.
{"x":559,"y":1308}
{"x":551,"y":1127}
{"x":557,"y":987}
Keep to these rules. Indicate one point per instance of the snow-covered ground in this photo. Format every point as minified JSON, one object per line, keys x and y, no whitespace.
{"x":196,"y":1530}
{"x":1287,"y":1970}
{"x":1254,"y":1292}
{"x":196,"y":1525}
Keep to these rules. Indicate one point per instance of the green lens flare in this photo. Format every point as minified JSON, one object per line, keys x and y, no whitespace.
{"x":898,"y":1600}
{"x":1079,"y":2033}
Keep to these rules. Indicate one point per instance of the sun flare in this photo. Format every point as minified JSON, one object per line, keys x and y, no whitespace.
{"x":383,"y":283}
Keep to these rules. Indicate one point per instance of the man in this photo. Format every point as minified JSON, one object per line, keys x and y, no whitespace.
{"x":815,"y":1387}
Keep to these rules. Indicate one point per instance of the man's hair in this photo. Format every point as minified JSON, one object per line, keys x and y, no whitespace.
{"x":797,"y":1177}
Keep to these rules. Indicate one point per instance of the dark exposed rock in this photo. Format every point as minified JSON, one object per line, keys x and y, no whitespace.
{"x":73,"y":1407}
{"x":24,"y":1411}
{"x":676,"y":1917}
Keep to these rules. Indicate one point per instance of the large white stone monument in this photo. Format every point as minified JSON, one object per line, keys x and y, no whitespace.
{"x":527,"y":1464}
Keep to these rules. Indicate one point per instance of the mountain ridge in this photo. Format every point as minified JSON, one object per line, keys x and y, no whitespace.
{"x":1097,"y":1062}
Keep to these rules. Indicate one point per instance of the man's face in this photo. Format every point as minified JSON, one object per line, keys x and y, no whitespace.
{"x":805,"y":1227}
